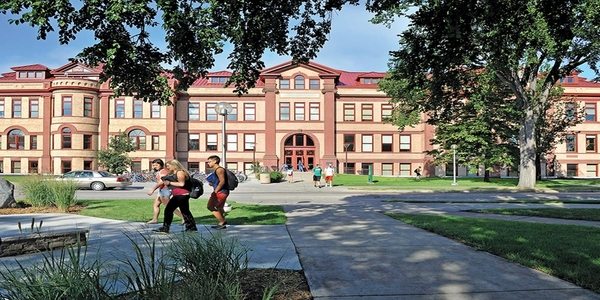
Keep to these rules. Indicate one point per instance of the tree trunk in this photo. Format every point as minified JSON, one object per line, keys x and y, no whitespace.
{"x":486,"y":175}
{"x":538,"y":167}
{"x":527,"y":149}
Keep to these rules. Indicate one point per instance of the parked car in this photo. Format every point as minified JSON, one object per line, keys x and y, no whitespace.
{"x":95,"y":180}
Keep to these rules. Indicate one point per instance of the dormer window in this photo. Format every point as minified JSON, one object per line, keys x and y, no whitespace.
{"x":369,"y":80}
{"x":299,"y":82}
{"x":31,"y":75}
{"x":219,"y":79}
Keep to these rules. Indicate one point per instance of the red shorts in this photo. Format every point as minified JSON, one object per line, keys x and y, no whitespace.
{"x":328,"y":178}
{"x":217,"y":200}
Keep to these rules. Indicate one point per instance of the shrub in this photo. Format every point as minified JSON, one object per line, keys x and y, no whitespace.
{"x":38,"y":191}
{"x":276,"y":176}
{"x":63,"y":193}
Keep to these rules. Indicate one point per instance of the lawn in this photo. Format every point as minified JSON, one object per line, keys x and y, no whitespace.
{"x":588,"y":214}
{"x":565,"y":251}
{"x":141,"y":211}
{"x":470,"y":183}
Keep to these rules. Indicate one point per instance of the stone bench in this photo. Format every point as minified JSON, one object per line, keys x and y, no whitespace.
{"x":43,"y":241}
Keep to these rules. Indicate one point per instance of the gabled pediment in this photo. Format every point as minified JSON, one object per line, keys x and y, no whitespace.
{"x":75,"y":68}
{"x":289,"y":65}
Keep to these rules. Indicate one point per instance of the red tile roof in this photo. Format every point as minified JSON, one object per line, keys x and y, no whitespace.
{"x":36,"y":67}
{"x":205,"y":81}
{"x":9,"y":76}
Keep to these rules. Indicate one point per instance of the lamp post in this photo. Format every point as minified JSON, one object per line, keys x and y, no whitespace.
{"x":223,"y":109}
{"x":454,"y":165}
{"x":346,"y":146}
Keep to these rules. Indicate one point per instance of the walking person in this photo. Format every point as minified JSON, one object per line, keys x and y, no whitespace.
{"x":300,"y":166}
{"x":418,"y":173}
{"x":290,"y":174}
{"x":329,"y":172}
{"x":216,"y":202}
{"x":164,"y":193}
{"x":180,"y":186}
{"x":317,"y":172}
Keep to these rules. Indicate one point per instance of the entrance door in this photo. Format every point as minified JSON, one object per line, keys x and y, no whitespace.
{"x":299,"y":150}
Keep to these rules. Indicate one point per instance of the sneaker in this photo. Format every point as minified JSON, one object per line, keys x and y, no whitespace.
{"x":162,"y":229}
{"x":219,"y":226}
{"x":191,"y":229}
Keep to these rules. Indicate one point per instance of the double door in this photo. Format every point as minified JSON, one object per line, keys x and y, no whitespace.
{"x":296,"y":157}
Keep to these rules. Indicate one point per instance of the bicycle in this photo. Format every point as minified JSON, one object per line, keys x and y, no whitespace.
{"x":241,"y":176}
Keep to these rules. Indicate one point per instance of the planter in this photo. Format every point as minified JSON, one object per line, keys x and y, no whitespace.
{"x":265,"y":178}
{"x":44,"y":241}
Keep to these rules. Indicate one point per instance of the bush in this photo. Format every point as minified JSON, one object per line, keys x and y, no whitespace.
{"x":276,"y":176}
{"x":38,"y":191}
{"x":63,"y":193}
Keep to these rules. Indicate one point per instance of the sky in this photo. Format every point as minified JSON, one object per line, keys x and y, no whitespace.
{"x":354,"y":44}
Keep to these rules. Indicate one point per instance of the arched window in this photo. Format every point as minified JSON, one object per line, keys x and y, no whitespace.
{"x":138,"y":138}
{"x":299,"y":82}
{"x":66,"y":138}
{"x":16,"y":139}
{"x":299,"y":140}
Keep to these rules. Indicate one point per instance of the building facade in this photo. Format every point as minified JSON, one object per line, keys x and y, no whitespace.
{"x":54,"y":121}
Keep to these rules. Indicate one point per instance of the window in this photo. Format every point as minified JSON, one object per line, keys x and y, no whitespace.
{"x":570,"y":111}
{"x":219,"y":79}
{"x":249,"y":141}
{"x":66,"y":138}
{"x":348,"y":112}
{"x":232,"y":166}
{"x":299,"y":111}
{"x":193,"y":166}
{"x":590,"y":143}
{"x":314,"y":111}
{"x":386,"y":143}
{"x":284,"y":111}
{"x":211,"y":114}
{"x":155,"y":109}
{"x":87,"y":141}
{"x":232,"y":116}
{"x":16,"y":108}
{"x":16,"y":139}
{"x":387,"y":169}
{"x":249,"y":111}
{"x":67,"y":106}
{"x":284,"y":84}
{"x":570,"y":140}
{"x":87,"y":164}
{"x":194,"y":111}
{"x":365,"y":168}
{"x":299,"y":82}
{"x":1,"y":108}
{"x":386,"y":112}
{"x":31,"y":74}
{"x":120,"y":108}
{"x":450,"y":169}
{"x":314,"y":84}
{"x":87,"y":107}
{"x":571,"y":170}
{"x":155,"y":142}
{"x":33,"y":142}
{"x":367,"y":112}
{"x":136,"y":166}
{"x":591,"y":170}
{"x":232,"y":142}
{"x":405,"y":143}
{"x":367,"y":143}
{"x":349,"y":142}
{"x":404,"y":169}
{"x":138,"y":138}
{"x":34,"y":108}
{"x":138,"y":109}
{"x":211,"y":142}
{"x":350,"y":168}
{"x":590,"y":112}
{"x":194,"y":142}
{"x":16,"y":166}
{"x":248,"y":168}
{"x":370,"y":80}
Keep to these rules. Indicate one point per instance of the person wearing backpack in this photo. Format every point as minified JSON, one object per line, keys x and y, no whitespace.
{"x":218,"y":180}
{"x":179,"y":182}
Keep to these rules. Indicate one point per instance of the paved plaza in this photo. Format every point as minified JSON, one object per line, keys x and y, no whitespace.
{"x":349,"y":250}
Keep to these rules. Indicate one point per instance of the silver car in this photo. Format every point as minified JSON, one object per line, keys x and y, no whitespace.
{"x":96,"y":180}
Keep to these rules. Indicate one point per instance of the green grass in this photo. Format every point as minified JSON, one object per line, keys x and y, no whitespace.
{"x":141,"y":211}
{"x":471,"y":183}
{"x":538,"y":201}
{"x":565,"y":251}
{"x":588,"y":214}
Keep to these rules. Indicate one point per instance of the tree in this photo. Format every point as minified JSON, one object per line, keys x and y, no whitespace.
{"x":115,"y":158}
{"x":195,"y":31}
{"x":483,"y":131}
{"x":529,"y":45}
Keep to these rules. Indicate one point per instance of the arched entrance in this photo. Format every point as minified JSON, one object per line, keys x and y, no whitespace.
{"x":299,"y":148}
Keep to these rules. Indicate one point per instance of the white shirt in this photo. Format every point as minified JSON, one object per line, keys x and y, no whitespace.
{"x":329,"y":171}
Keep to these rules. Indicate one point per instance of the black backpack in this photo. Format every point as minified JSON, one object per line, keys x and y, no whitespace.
{"x":232,"y":181}
{"x":197,"y":188}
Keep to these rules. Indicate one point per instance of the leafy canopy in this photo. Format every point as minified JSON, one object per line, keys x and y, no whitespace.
{"x":195,"y":32}
{"x":115,"y":158}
